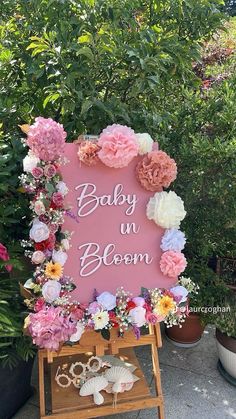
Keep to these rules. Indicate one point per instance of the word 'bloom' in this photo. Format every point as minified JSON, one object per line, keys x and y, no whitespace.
{"x":46,"y":138}
{"x":166,"y":209}
{"x":156,"y":171}
{"x":118,"y":146}
{"x":173,"y":239}
{"x":172,"y":263}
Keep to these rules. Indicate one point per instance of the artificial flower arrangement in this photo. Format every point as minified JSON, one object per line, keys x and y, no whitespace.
{"x":55,"y":317}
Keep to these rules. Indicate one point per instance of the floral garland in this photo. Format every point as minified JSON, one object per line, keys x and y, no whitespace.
{"x":55,"y":317}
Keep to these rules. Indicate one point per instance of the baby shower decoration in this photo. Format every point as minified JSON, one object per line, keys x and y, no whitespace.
{"x":106,"y":246}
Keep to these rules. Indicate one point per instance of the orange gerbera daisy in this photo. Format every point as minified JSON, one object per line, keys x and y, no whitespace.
{"x":164,"y":306}
{"x":53,"y":270}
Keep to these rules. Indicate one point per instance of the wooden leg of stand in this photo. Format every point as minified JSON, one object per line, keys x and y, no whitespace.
{"x":41,"y":384}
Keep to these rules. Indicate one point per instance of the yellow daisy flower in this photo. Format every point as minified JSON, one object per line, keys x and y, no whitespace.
{"x":164,"y":306}
{"x":53,"y":270}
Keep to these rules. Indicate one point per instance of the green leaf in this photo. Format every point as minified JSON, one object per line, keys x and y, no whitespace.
{"x":85,"y":39}
{"x":87,"y":52}
{"x":105,"y":334}
{"x":86,"y":105}
{"x":52,"y":97}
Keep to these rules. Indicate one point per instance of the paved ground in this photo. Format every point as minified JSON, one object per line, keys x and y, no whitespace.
{"x":192,"y":386}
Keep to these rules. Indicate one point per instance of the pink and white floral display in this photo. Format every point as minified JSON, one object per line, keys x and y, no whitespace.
{"x":55,"y":317}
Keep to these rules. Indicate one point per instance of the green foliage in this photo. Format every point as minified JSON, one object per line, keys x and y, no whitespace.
{"x":90,"y":63}
{"x":226,"y":320}
{"x":13,"y":345}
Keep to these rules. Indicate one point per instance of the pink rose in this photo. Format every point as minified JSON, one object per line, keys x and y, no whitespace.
{"x":50,"y":171}
{"x":38,"y":257}
{"x":151,"y":317}
{"x":37,"y":172}
{"x":5,"y":256}
{"x":118,"y":144}
{"x":94,"y":308}
{"x":156,"y":171}
{"x":138,"y":316}
{"x":58,"y":199}
{"x":39,"y":208}
{"x":77,"y":314}
{"x":51,"y":290}
{"x":172,"y":263}
{"x":39,"y":305}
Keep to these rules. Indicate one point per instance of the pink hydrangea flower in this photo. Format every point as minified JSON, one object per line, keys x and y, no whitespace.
{"x":118,"y":144}
{"x":49,"y":328}
{"x":46,"y":138}
{"x":172,"y":263}
{"x":37,"y":172}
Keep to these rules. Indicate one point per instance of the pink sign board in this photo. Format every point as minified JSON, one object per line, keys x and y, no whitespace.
{"x":113,"y":243}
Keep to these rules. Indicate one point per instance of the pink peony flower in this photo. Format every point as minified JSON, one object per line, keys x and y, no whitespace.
{"x":49,"y":328}
{"x":50,"y":171}
{"x":156,"y":171}
{"x":58,"y":199}
{"x":88,"y":153}
{"x":172,"y":263}
{"x":118,"y":144}
{"x":37,"y":172}
{"x":46,"y":138}
{"x":5,"y":256}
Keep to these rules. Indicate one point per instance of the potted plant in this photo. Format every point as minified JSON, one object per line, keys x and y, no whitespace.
{"x":16,"y":350}
{"x":225,"y":323}
{"x":205,"y":293}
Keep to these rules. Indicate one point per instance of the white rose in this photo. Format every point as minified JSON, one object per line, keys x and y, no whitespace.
{"x":145,"y":143}
{"x":39,"y":231}
{"x":51,"y":290}
{"x":30,"y":162}
{"x":166,"y":209}
{"x":58,"y":256}
{"x":180,"y":292}
{"x":107,"y":300}
{"x":137,"y":316}
{"x":77,"y":335}
{"x":62,"y":188}
{"x":38,"y":257}
{"x":65,"y":244}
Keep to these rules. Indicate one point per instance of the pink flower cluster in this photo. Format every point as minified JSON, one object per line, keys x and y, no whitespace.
{"x":118,"y":146}
{"x":46,"y":138}
{"x":5,"y":256}
{"x":156,"y":171}
{"x":172,"y":263}
{"x":88,"y":153}
{"x":49,"y":328}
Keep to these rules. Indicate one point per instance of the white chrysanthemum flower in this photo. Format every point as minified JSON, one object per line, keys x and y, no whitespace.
{"x":166,"y":209}
{"x":101,"y":319}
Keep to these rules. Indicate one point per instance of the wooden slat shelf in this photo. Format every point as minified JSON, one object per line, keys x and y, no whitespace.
{"x":66,"y":402}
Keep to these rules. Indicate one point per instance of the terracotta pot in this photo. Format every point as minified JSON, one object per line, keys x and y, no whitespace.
{"x":226,"y":346}
{"x":189,"y":334}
